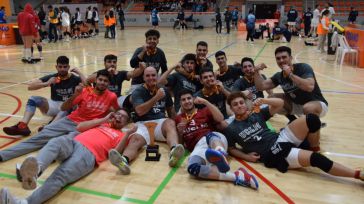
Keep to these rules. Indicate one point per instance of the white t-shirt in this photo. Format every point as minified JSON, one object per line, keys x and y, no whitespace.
{"x":65,"y":19}
{"x":316,"y":16}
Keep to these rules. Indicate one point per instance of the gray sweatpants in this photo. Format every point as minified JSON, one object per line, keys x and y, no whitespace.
{"x":76,"y":162}
{"x":57,"y":128}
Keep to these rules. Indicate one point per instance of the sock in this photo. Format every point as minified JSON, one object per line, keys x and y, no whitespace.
{"x":228,"y":176}
{"x":31,"y":51}
{"x":27,"y":53}
{"x":1,"y":159}
{"x":127,"y":158}
{"x":172,"y":147}
{"x":357,"y":174}
{"x":291,"y":117}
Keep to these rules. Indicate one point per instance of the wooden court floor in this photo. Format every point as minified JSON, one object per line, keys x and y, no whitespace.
{"x":342,"y":139}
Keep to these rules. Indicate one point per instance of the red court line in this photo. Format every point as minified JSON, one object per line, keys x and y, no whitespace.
{"x":9,"y":143}
{"x":266,"y":181}
{"x":8,"y":137}
{"x":17,"y":108}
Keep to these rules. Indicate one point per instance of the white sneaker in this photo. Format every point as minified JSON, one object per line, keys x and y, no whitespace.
{"x":29,"y":173}
{"x":7,"y":198}
{"x":119,"y":161}
{"x":175,"y":155}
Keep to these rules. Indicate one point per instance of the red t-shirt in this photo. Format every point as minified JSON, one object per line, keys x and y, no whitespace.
{"x":100,"y":140}
{"x":198,"y":127}
{"x":91,"y":105}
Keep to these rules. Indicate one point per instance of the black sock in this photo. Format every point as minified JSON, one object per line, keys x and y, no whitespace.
{"x":127,"y":158}
{"x":1,"y":159}
{"x":32,"y":49}
{"x":40,"y":48}
{"x":173,"y":147}
{"x":291,"y":117}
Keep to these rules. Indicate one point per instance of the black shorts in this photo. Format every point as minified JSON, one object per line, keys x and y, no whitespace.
{"x":78,"y":22}
{"x":89,"y":21}
{"x":276,"y":156}
{"x":155,"y":23}
{"x":94,"y":22}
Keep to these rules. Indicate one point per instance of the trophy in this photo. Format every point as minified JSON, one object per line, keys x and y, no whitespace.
{"x":152,"y":152}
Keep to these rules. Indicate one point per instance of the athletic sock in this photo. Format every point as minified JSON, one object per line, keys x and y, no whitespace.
{"x":127,"y":158}
{"x":228,"y":176}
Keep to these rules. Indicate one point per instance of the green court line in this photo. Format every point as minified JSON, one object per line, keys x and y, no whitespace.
{"x":166,"y":180}
{"x":87,"y":191}
{"x":260,"y":51}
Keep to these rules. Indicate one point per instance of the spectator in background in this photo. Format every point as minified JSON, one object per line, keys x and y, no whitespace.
{"x":107,"y":25}
{"x":323,"y":29}
{"x":250,"y":25}
{"x":154,"y":18}
{"x":307,"y":18}
{"x":121,"y":15}
{"x":112,"y":23}
{"x":95,"y":19}
{"x":277,"y":15}
{"x":43,"y":22}
{"x":218,"y":20}
{"x":235,"y":17}
{"x":352,"y":15}
{"x":331,"y":9}
{"x":2,"y":15}
{"x":291,"y":18}
{"x":315,"y":20}
{"x":53,"y":21}
{"x":181,"y":19}
{"x":228,"y":16}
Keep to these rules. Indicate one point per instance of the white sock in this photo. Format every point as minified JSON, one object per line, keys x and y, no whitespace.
{"x":23,"y":53}
{"x":228,"y":176}
{"x":28,"y":53}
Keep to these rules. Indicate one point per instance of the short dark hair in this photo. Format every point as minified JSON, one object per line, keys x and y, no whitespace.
{"x":247,"y":59}
{"x":189,"y":56}
{"x":152,"y":32}
{"x":202,"y":43}
{"x":317,"y":5}
{"x":50,"y":6}
{"x":206,"y":69}
{"x":219,"y":53}
{"x":234,"y":95}
{"x":63,"y":60}
{"x":77,"y":9}
{"x":110,"y":57}
{"x":103,"y":72}
{"x":184,"y":92}
{"x":326,"y":12}
{"x":283,"y":49}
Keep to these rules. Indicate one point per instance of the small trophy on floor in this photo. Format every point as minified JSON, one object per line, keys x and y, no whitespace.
{"x":152,"y":151}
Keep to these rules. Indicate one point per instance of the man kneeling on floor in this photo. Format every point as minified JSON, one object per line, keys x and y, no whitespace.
{"x":78,"y":157}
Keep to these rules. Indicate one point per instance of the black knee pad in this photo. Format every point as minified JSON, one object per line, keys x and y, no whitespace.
{"x":40,"y":48}
{"x":313,"y":122}
{"x":320,"y":161}
{"x":194,"y":169}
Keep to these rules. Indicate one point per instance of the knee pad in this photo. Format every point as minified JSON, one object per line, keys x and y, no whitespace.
{"x":313,"y":122}
{"x":321,"y":162}
{"x":32,"y":103}
{"x":40,"y":48}
{"x":194,"y":169}
{"x":210,"y":136}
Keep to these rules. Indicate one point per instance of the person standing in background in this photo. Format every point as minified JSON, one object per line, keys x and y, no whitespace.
{"x":235,"y":17}
{"x":228,"y":16}
{"x":121,"y":15}
{"x":352,"y":15}
{"x":250,"y":25}
{"x":218,"y":20}
{"x":307,"y":18}
{"x":2,"y":15}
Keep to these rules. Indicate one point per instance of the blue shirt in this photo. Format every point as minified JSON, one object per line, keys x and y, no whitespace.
{"x":2,"y":19}
{"x":154,"y":15}
{"x":250,"y":22}
{"x":235,"y":14}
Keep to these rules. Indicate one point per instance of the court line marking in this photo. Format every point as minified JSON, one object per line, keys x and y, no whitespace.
{"x":86,"y":191}
{"x":266,"y":181}
{"x":167,"y":179}
{"x":344,"y":155}
{"x":328,"y":77}
{"x":20,"y":116}
{"x":16,"y":109}
{"x":5,"y":87}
